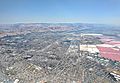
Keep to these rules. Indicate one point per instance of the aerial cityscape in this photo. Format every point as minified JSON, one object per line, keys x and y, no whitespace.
{"x":59,"y":53}
{"x":59,"y":41}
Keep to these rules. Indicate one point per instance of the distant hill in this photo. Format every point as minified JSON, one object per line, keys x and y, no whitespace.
{"x":43,"y":27}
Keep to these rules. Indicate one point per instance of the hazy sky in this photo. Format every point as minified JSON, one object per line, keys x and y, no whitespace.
{"x":83,"y":11}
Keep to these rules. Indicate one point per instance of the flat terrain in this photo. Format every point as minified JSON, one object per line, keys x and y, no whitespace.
{"x":49,"y":53}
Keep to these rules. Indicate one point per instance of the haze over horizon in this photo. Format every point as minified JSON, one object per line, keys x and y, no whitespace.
{"x":60,"y":11}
